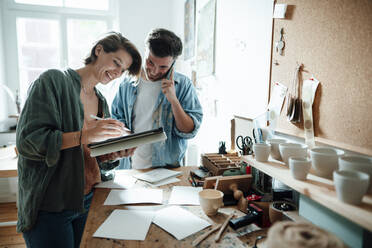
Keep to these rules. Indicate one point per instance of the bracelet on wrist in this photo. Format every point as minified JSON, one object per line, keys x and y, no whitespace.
{"x":81,"y":134}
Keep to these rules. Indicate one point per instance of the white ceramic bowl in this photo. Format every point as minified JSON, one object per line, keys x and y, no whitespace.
{"x":261,"y":151}
{"x":275,"y":153}
{"x":292,"y":150}
{"x":299,"y":167}
{"x":350,"y":186}
{"x":324,"y":160}
{"x":357,"y":163}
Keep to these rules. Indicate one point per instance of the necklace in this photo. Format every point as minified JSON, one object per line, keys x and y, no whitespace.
{"x":85,"y":91}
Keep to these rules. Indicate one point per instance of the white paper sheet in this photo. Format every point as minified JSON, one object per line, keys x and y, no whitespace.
{"x":179,"y":222}
{"x":121,"y":181}
{"x":134,"y":196}
{"x":184,"y":195}
{"x":126,"y":224}
{"x":157,"y":175}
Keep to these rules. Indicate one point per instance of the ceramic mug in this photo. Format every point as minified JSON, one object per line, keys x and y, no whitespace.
{"x":357,"y":163}
{"x":292,"y":150}
{"x":210,"y":201}
{"x":275,"y":153}
{"x":350,"y":186}
{"x":261,"y":151}
{"x":300,"y":167}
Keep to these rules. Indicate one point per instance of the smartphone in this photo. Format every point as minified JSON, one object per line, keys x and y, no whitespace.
{"x":169,"y":72}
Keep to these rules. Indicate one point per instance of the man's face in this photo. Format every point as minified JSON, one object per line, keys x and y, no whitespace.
{"x":157,"y":67}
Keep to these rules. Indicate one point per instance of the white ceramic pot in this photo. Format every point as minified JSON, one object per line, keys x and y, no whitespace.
{"x":357,"y":163}
{"x":275,"y":153}
{"x":350,"y":186}
{"x":299,"y":167}
{"x":210,"y":201}
{"x":292,"y":150}
{"x":324,"y":160}
{"x":261,"y":151}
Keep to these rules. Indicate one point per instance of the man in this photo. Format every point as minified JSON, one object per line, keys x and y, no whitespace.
{"x":160,"y":97}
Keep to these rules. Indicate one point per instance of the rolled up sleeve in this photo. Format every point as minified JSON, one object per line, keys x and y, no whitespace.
{"x":192,"y":107}
{"x":39,"y":135}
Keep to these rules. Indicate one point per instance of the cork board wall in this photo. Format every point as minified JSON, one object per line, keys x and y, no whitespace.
{"x":333,"y":40}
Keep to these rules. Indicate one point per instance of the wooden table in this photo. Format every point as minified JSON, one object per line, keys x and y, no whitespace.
{"x":8,"y":162}
{"x":157,"y":237}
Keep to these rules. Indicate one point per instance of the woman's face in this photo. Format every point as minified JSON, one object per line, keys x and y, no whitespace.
{"x":110,"y":66}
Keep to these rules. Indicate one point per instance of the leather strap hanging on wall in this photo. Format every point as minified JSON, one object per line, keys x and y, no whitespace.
{"x":294,"y":104}
{"x":308,"y":93}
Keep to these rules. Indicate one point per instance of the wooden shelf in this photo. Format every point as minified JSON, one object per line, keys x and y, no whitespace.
{"x":318,"y":189}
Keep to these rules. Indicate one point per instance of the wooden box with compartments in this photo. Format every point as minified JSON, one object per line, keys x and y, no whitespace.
{"x":218,"y":163}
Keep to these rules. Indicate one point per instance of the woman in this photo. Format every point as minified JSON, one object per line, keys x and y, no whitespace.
{"x":56,"y":172}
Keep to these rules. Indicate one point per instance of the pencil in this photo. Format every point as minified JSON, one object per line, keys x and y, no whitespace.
{"x":100,"y":119}
{"x":96,"y":117}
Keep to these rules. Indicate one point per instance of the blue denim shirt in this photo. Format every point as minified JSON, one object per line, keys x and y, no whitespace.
{"x":171,"y":151}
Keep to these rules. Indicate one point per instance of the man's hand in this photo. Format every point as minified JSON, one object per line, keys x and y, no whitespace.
{"x":168,"y":89}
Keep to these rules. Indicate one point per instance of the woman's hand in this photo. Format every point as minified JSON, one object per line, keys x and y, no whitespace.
{"x":100,"y":130}
{"x":117,"y":155}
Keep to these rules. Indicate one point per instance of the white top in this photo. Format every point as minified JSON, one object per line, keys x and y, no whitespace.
{"x":144,"y":107}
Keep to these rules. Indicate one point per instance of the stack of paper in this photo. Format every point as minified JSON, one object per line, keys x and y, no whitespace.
{"x":121,"y":181}
{"x":165,"y":181}
{"x":157,"y":175}
{"x":134,"y":196}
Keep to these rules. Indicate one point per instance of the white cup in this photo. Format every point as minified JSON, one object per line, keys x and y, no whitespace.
{"x":350,"y":186}
{"x":261,"y":151}
{"x":299,"y":167}
{"x":325,"y":160}
{"x":210,"y":201}
{"x":292,"y":150}
{"x":357,"y":163}
{"x":275,"y":153}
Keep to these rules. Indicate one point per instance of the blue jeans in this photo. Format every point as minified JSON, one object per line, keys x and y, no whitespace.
{"x":62,"y":229}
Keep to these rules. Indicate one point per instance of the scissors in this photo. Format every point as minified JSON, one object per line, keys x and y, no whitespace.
{"x":257,"y":135}
{"x":244,"y":144}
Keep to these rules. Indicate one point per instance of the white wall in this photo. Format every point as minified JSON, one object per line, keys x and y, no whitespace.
{"x":240,"y":84}
{"x":137,"y":18}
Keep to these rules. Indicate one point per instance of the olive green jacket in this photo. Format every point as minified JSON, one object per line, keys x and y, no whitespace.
{"x":49,"y":178}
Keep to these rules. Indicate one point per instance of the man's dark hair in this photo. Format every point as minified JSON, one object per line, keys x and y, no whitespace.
{"x":163,"y":43}
{"x":112,"y":42}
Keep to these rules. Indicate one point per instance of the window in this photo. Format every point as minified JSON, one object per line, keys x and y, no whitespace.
{"x":50,"y":34}
{"x":38,"y":48}
{"x":84,"y":4}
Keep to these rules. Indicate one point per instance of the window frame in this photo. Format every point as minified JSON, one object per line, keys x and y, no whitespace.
{"x":12,"y":10}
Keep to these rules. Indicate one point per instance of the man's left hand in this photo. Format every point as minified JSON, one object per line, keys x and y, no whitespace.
{"x":168,"y":89}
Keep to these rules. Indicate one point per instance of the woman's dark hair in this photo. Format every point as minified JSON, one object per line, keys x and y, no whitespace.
{"x":163,"y":43}
{"x":112,"y":42}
